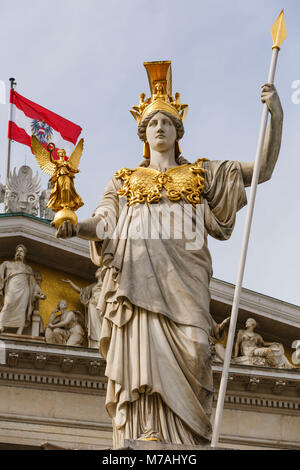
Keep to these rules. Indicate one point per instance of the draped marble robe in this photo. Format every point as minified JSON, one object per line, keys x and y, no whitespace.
{"x":155,"y":314}
{"x":89,"y":298}
{"x":16,"y":292}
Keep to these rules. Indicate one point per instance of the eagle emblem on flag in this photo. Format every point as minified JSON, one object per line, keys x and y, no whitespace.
{"x":41,"y":130}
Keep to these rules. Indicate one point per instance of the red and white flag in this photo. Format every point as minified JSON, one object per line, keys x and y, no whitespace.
{"x":29,"y":119}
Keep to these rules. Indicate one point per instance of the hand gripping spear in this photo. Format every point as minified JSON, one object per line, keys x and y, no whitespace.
{"x":278,"y":31}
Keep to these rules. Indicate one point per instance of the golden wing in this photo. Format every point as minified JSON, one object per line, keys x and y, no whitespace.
{"x":74,"y":159}
{"x":42,"y":156}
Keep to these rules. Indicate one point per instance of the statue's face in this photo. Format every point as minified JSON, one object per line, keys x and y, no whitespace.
{"x":38,"y":276}
{"x":61,"y":153}
{"x":161,"y":133}
{"x":250,"y":323}
{"x":20,"y":254}
{"x":62,"y":305}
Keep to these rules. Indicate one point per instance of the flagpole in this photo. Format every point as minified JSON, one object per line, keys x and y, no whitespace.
{"x":12,"y":84}
{"x":278,"y":37}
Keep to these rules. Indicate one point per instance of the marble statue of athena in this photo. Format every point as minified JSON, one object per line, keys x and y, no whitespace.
{"x":154,"y":302}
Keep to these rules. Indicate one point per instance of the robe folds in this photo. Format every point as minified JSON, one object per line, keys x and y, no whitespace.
{"x":154,"y":307}
{"x":88,"y":297}
{"x":16,"y":294}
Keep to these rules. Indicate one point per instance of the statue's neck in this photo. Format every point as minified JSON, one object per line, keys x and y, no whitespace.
{"x":162,"y":161}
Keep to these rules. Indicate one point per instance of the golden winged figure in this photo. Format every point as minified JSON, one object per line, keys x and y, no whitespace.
{"x":63,"y":199}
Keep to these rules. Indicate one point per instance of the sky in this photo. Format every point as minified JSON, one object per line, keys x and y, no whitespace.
{"x":83,"y":59}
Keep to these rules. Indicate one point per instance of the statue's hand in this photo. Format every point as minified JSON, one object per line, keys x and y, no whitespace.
{"x":224,"y":324}
{"x":270,"y":97}
{"x":66,"y":230}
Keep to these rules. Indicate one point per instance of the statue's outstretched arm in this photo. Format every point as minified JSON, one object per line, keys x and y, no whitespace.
{"x":72,"y":284}
{"x":102,"y":223}
{"x":87,"y":229}
{"x":272,"y":140}
{"x":218,"y":329}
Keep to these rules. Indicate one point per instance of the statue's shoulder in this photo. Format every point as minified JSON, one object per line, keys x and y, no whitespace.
{"x":8,"y":264}
{"x":125,"y":173}
{"x":28,"y":269}
{"x":3,"y":267}
{"x":200,"y":163}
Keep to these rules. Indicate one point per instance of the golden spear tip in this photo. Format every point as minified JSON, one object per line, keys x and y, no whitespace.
{"x":278,"y":31}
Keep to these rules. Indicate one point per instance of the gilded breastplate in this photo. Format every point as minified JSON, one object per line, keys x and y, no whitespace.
{"x":146,"y":184}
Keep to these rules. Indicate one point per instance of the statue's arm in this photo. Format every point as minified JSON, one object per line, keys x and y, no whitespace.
{"x":265,"y":343}
{"x":52,"y":316}
{"x":272,"y":140}
{"x":237,"y":343}
{"x":66,"y":321}
{"x":218,"y":329}
{"x":87,"y":229}
{"x":96,"y":227}
{"x":72,"y":284}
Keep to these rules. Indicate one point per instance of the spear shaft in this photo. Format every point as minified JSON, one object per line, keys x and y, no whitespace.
{"x":237,"y":293}
{"x":12,"y":84}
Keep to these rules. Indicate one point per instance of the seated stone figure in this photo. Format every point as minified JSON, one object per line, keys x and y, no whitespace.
{"x":251,"y":349}
{"x":66,"y":328}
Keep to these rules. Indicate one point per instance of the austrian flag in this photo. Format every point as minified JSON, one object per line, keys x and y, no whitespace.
{"x":29,"y":119}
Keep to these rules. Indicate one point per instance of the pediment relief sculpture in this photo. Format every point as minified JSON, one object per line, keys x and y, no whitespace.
{"x":252,"y":350}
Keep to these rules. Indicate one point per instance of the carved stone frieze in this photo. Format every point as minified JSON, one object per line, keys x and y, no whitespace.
{"x":40,"y":361}
{"x":94,"y":367}
{"x":55,"y":367}
{"x":279,"y":386}
{"x":253,"y":383}
{"x":12,"y":359}
{"x":67,"y":364}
